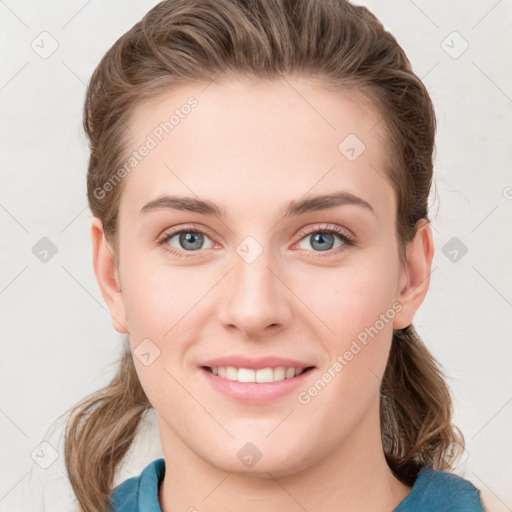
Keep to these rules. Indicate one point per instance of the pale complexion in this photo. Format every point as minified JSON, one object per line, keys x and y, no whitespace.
{"x":252,"y":149}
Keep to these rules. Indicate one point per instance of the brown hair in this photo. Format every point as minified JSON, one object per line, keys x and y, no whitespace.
{"x":343,"y":47}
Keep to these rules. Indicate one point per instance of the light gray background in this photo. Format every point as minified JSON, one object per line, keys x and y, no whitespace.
{"x":57,"y":341}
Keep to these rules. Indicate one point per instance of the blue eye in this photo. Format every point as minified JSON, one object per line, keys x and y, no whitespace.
{"x":323,"y":240}
{"x":187,"y":240}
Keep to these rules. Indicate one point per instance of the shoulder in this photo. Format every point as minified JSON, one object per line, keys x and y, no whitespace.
{"x":441,"y":491}
{"x":139,"y":492}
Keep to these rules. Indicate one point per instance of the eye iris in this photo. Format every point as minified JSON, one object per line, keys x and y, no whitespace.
{"x":321,"y":238}
{"x":322,"y":241}
{"x":196,"y":239}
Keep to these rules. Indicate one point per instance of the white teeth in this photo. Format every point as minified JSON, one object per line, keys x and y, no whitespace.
{"x":245,"y":375}
{"x":261,"y":375}
{"x":279,"y":373}
{"x":231,"y":373}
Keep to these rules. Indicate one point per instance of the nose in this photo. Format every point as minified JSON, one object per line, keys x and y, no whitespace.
{"x":254,"y":298}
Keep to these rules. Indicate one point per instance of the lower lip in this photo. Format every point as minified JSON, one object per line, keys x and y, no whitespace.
{"x":255,"y":392}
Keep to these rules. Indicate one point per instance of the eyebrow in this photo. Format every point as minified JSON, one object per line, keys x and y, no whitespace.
{"x":294,"y":208}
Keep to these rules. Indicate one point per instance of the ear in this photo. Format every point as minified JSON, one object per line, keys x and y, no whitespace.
{"x":415,"y":274}
{"x":107,"y":276}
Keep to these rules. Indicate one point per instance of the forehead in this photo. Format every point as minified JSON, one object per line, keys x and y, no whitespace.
{"x":273,"y":140}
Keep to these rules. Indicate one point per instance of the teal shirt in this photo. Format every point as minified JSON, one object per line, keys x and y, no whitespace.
{"x":433,"y":491}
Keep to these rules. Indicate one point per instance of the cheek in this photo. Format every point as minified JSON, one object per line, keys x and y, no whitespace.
{"x":352,"y":297}
{"x":349,"y":382}
{"x":358,"y":310}
{"x":156,"y":297}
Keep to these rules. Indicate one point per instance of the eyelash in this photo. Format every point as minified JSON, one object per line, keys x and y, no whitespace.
{"x":326,"y":229}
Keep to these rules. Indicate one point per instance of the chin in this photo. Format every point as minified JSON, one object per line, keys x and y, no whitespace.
{"x":267,"y":467}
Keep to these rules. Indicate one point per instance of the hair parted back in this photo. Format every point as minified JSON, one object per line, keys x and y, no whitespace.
{"x":343,"y":46}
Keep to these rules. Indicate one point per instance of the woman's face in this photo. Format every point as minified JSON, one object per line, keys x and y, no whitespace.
{"x":266,"y":282}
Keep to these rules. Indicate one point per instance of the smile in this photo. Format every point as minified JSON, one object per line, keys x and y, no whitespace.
{"x":261,"y":375}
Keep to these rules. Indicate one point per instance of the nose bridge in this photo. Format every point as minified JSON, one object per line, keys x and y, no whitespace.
{"x":255,"y":298}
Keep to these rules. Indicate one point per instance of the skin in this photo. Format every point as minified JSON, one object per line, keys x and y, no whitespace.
{"x":252,"y":148}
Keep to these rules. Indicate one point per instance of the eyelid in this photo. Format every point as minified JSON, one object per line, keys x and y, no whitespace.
{"x":326,"y":227}
{"x":172,"y":232}
{"x":185,"y":227}
{"x":347,"y":237}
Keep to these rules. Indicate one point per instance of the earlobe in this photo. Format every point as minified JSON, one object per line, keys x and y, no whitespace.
{"x":415,"y":278}
{"x":107,"y":276}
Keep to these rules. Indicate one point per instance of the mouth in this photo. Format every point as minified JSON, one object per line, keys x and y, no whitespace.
{"x":256,"y":380}
{"x":261,"y":375}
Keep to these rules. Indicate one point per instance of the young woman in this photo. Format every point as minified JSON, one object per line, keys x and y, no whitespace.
{"x":259,"y":178}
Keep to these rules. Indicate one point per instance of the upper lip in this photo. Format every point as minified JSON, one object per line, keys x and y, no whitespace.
{"x":254,"y":363}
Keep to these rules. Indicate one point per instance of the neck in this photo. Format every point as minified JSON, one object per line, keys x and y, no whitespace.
{"x":352,"y":477}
